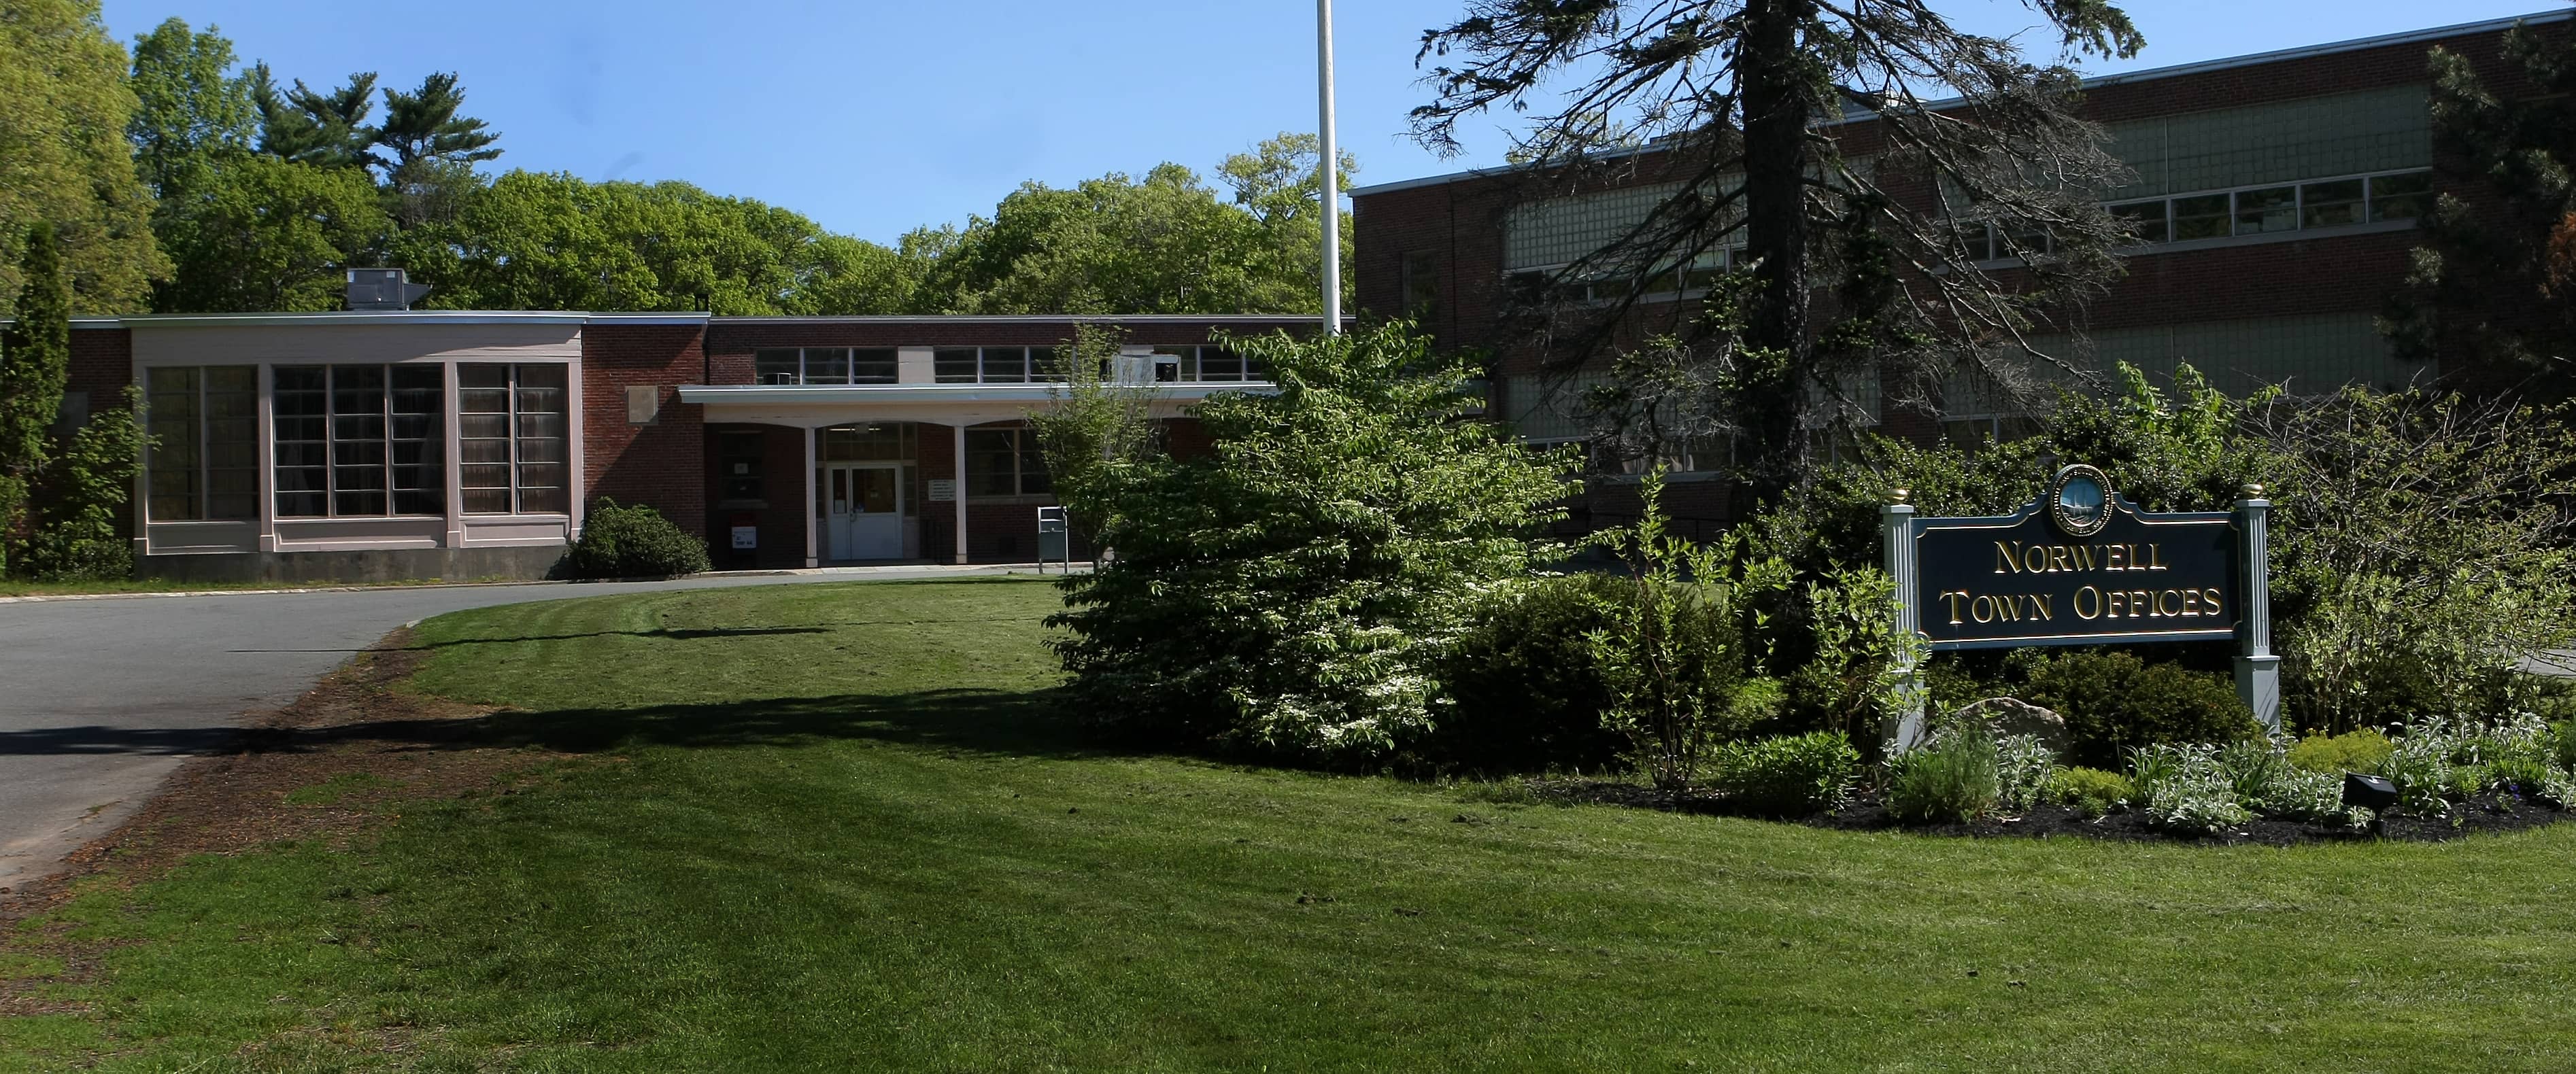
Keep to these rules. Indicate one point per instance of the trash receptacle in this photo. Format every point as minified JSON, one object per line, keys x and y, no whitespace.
{"x":1053,"y":536}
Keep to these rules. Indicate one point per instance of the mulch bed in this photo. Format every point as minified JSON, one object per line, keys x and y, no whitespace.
{"x":2489,"y":813}
{"x":371,"y":746}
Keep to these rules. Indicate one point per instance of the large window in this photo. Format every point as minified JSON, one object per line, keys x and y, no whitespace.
{"x":511,"y":439}
{"x":355,"y":441}
{"x":740,"y":454}
{"x":994,"y":365}
{"x":1005,"y":462}
{"x":825,"y":365}
{"x":204,"y":462}
{"x":2326,"y":203}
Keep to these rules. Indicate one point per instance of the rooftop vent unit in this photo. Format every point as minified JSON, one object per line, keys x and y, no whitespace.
{"x":383,"y":289}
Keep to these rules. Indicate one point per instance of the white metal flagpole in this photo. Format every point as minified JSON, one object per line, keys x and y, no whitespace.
{"x":1329,"y":167}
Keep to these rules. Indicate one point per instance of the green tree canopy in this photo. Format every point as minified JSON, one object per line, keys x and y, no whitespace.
{"x":554,"y":241}
{"x":192,"y":112}
{"x":1166,"y":243}
{"x":64,"y":160}
{"x":35,"y":361}
{"x":422,"y":125}
{"x":268,"y":234}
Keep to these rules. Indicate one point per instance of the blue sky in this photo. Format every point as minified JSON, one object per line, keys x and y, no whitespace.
{"x":873,"y":117}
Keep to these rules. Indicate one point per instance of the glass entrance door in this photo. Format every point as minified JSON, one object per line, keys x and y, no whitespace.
{"x":864,"y":505}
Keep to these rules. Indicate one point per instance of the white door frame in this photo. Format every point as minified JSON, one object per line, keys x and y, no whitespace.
{"x":846,"y":541}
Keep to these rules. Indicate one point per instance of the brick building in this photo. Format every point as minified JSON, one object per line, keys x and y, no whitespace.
{"x":468,"y":444}
{"x":2275,"y":198}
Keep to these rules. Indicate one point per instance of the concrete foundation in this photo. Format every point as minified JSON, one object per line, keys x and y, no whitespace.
{"x":374,"y":565}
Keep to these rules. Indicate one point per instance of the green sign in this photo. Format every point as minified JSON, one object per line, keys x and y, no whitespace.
{"x":2082,"y":566}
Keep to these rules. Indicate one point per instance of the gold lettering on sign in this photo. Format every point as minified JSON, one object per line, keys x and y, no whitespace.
{"x":2080,"y":612}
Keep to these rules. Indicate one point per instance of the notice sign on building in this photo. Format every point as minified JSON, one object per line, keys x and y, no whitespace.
{"x":2082,"y":566}
{"x":943,"y":490}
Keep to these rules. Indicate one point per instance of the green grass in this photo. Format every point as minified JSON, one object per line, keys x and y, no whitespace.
{"x":841,"y":827}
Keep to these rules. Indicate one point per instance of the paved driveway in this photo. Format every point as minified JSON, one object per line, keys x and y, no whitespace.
{"x":101,"y":699}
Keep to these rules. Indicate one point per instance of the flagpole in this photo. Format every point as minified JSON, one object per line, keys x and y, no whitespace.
{"x":1330,"y":168}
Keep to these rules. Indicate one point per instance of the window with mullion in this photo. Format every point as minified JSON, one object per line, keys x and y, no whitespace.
{"x":513,"y":437}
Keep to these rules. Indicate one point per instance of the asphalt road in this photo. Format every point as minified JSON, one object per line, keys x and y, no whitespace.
{"x":100,"y":699}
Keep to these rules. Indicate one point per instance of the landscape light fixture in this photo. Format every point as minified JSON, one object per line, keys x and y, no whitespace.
{"x":2371,"y":793}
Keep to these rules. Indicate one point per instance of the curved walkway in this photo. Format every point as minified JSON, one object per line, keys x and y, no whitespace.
{"x":100,"y":698}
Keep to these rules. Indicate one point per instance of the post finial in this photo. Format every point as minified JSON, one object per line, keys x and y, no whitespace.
{"x":1899,"y":494}
{"x":2253,"y":490}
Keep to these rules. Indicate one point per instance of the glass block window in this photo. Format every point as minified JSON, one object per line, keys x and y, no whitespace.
{"x":204,"y":462}
{"x":512,"y":439}
{"x":1005,"y":462}
{"x":354,"y":441}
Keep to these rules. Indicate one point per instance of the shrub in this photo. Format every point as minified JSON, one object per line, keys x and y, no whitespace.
{"x":2090,"y":792}
{"x":2114,"y":702}
{"x":1523,"y":693}
{"x":2351,"y":751}
{"x":1953,"y":778}
{"x":2420,"y":766}
{"x":1785,"y":777}
{"x":2022,"y":765}
{"x":1679,"y":667}
{"x":1289,"y":589}
{"x":632,"y":542}
{"x":2562,"y":743}
{"x":2184,"y":787}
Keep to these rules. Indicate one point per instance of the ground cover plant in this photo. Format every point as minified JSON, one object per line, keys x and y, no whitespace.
{"x":826,"y":827}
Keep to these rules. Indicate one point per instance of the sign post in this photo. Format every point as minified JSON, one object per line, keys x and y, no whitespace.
{"x":2082,"y":566}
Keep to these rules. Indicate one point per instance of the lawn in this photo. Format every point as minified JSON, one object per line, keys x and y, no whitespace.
{"x":836,"y":827}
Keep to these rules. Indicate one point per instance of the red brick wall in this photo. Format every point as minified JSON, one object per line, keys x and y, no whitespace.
{"x":662,"y":464}
{"x":102,"y":365}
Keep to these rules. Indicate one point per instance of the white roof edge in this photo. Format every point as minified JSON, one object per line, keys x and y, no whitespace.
{"x":2150,"y":74}
{"x":952,"y":393}
{"x":1029,"y":318}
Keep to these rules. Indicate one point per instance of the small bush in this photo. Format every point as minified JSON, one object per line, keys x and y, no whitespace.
{"x":2184,"y":787}
{"x":2525,"y":776}
{"x":632,"y":542}
{"x":1524,"y":695}
{"x":2352,"y":751}
{"x":2114,"y":702}
{"x":2022,"y":766}
{"x":1786,"y":777}
{"x":1954,"y":778}
{"x":2090,"y":792}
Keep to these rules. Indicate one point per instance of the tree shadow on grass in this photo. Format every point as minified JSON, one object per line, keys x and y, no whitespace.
{"x":1027,"y":724}
{"x":1023,"y":723}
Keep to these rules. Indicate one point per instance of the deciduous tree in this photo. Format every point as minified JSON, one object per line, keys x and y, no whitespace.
{"x":266,"y":234}
{"x":64,"y":160}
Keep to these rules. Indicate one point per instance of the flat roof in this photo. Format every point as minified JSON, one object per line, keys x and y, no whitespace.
{"x":576,"y":317}
{"x":2177,"y":70}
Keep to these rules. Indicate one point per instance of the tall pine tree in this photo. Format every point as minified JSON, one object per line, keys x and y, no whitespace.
{"x":1855,"y":259}
{"x":2480,"y":296}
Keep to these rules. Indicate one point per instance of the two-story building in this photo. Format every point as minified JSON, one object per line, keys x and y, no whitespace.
{"x":2275,"y":198}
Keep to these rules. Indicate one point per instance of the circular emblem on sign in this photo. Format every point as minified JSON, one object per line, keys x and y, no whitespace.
{"x":2079,"y":499}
